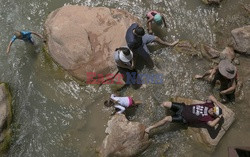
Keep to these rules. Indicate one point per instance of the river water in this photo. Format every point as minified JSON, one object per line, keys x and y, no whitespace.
{"x":55,"y":116}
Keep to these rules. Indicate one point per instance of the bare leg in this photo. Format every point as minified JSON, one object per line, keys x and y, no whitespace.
{"x":137,"y":102}
{"x":158,"y":40}
{"x":167,"y":104}
{"x":160,"y":123}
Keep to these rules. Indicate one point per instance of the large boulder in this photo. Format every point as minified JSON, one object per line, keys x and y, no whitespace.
{"x":5,"y":117}
{"x":206,"y":135}
{"x":124,"y":138}
{"x":82,"y":39}
{"x":241,"y":39}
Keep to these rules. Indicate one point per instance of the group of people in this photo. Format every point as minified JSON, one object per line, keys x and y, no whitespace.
{"x":209,"y":112}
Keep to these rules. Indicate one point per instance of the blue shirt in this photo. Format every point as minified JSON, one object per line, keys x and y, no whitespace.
{"x":132,"y":40}
{"x":26,"y":36}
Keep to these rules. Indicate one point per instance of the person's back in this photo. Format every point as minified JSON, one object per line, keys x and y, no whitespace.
{"x":132,"y":40}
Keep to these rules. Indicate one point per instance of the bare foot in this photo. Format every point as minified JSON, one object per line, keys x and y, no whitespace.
{"x":198,"y":76}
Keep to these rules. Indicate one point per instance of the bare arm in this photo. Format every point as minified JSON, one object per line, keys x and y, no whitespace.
{"x":164,"y":21}
{"x":9,"y":46}
{"x":149,"y":25}
{"x":157,"y":39}
{"x":214,"y":122}
{"x":230,"y":89}
{"x":215,"y":101}
{"x":37,"y":34}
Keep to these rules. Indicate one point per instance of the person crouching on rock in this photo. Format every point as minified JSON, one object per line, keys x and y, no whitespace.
{"x":157,"y":18}
{"x":125,"y":63}
{"x":120,"y":103}
{"x":226,"y":74}
{"x":209,"y":113}
{"x":25,"y":36}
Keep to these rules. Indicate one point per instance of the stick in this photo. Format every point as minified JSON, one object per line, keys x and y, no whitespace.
{"x":108,"y":79}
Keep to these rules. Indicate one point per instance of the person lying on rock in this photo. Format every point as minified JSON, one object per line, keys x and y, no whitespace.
{"x":137,"y":41}
{"x":209,"y":112}
{"x":120,"y":103}
{"x":25,"y":36}
{"x":157,"y":18}
{"x":226,"y":74}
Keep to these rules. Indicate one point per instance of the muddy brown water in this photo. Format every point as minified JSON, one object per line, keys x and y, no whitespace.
{"x":55,"y":116}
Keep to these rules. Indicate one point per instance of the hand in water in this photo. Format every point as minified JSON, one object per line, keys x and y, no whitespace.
{"x":174,"y":43}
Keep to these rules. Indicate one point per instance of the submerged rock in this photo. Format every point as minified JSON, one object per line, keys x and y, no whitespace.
{"x":124,"y":138}
{"x":82,"y":39}
{"x":5,"y":117}
{"x":241,"y":39}
{"x":209,"y":136}
{"x":212,"y":1}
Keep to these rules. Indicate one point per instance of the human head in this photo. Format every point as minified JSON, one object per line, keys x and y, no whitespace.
{"x":158,"y":19}
{"x":108,"y":103}
{"x":125,"y":54}
{"x":215,"y":111}
{"x":18,"y":34}
{"x":139,"y":31}
{"x":227,"y":69}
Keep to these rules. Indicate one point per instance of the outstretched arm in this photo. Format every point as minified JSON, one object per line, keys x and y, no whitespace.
{"x":37,"y":34}
{"x":215,"y":101}
{"x":9,"y":46}
{"x":157,"y":39}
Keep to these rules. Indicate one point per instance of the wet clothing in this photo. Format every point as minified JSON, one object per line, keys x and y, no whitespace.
{"x":26,"y":36}
{"x":139,"y":44}
{"x":123,"y":102}
{"x":192,"y":114}
{"x":151,"y":14}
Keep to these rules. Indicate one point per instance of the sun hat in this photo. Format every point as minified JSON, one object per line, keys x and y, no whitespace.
{"x":227,"y":69}
{"x":158,"y":19}
{"x":217,"y":110}
{"x":125,"y":58}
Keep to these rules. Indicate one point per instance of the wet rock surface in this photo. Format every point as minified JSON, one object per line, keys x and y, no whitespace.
{"x":81,"y":39}
{"x":5,"y":117}
{"x":124,"y":138}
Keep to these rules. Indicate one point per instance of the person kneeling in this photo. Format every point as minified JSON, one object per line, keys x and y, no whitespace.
{"x":209,"y":112}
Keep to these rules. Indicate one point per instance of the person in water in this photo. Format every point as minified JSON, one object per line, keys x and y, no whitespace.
{"x":209,"y":113}
{"x":226,"y":74}
{"x":25,"y":36}
{"x":137,"y":41}
{"x":157,"y":18}
{"x":120,"y":103}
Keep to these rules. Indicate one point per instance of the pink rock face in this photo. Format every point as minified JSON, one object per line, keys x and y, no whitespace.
{"x":82,"y":39}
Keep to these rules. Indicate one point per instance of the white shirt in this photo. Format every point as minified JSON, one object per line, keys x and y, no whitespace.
{"x":123,"y":102}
